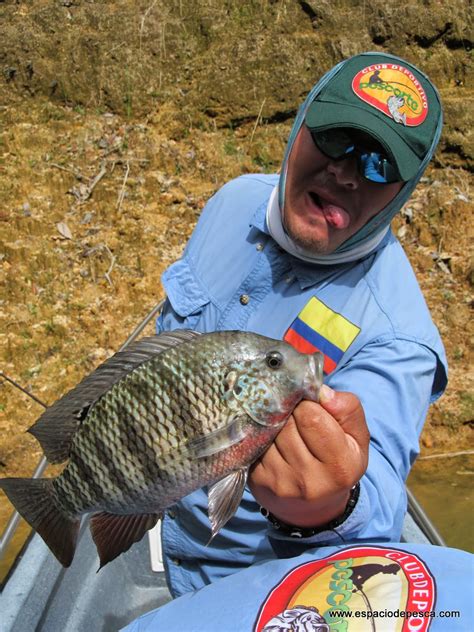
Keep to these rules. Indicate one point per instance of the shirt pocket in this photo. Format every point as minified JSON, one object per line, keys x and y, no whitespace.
{"x":188,"y":301}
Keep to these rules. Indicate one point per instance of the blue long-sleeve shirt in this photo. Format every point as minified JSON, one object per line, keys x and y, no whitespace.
{"x":233,"y":275}
{"x":342,"y":588}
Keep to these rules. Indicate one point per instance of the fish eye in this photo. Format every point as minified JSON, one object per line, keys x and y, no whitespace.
{"x":274,"y":359}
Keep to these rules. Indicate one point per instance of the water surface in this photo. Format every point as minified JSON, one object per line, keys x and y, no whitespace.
{"x":444,"y":488}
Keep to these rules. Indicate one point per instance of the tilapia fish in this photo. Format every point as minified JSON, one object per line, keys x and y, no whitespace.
{"x":170,"y":414}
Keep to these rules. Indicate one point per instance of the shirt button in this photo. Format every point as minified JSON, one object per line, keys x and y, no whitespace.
{"x":259,"y":246}
{"x":171,"y":514}
{"x":244,"y":299}
{"x":176,"y":561}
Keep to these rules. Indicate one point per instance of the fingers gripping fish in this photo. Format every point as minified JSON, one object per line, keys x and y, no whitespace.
{"x":172,"y":413}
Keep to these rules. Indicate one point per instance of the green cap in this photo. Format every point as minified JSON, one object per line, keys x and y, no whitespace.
{"x":386,"y":97}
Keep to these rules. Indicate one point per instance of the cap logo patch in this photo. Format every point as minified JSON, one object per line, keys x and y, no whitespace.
{"x":393,"y":90}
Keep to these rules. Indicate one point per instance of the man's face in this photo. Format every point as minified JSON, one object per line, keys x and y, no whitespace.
{"x":326,"y":202}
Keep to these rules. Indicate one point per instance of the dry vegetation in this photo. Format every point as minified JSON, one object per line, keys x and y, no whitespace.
{"x":118,"y":121}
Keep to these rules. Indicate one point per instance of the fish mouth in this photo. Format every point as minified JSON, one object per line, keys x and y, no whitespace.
{"x":314,"y":377}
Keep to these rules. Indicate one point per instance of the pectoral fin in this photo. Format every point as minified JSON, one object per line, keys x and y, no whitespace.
{"x":224,"y":498}
{"x":219,"y":440}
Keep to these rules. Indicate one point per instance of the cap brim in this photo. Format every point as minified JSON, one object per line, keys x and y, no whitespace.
{"x":323,"y":115}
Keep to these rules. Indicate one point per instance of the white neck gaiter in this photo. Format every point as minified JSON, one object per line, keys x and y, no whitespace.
{"x":279,"y":234}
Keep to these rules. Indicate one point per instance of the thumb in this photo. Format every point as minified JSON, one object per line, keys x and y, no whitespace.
{"x":347,"y":410}
{"x":333,"y":401}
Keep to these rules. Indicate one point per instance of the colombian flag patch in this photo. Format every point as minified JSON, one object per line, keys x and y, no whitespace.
{"x":318,"y":328}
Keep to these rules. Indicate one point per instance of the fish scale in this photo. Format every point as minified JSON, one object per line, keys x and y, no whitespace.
{"x":172,"y":413}
{"x":118,"y":405}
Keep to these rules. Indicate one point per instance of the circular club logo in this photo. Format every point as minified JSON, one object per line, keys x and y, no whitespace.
{"x":393,"y":90}
{"x":359,"y":588}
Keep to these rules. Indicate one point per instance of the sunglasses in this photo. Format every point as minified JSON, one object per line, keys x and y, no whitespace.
{"x":372,"y":161}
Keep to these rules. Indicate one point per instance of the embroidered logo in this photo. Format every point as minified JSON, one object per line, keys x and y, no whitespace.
{"x":349,"y":591}
{"x":319,"y":328}
{"x":393,"y":90}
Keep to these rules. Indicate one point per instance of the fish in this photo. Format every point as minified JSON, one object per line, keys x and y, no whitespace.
{"x":394,"y":106}
{"x":170,"y":414}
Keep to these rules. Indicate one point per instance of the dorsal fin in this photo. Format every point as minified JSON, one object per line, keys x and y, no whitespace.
{"x":57,"y":426}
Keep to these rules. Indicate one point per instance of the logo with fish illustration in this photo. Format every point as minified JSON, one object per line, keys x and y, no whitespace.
{"x":363,"y":587}
{"x":393,"y":90}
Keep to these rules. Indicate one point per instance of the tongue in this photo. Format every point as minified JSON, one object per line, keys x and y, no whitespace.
{"x":335,"y":215}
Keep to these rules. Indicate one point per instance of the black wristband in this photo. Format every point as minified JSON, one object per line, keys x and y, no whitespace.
{"x":307,"y":532}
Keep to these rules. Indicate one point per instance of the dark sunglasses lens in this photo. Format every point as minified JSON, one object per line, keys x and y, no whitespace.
{"x":334,"y":143}
{"x":373,"y":165}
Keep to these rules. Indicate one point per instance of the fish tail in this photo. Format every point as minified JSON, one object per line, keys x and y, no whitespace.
{"x":35,"y":501}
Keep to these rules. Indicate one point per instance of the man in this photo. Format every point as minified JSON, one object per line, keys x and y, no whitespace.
{"x":308,"y":256}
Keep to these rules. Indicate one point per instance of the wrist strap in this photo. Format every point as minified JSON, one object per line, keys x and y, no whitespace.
{"x":307,"y":532}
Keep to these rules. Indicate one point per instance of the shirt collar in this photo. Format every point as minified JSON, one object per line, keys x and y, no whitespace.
{"x":259,"y":220}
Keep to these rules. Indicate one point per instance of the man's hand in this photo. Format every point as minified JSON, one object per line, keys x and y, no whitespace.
{"x":305,"y":476}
